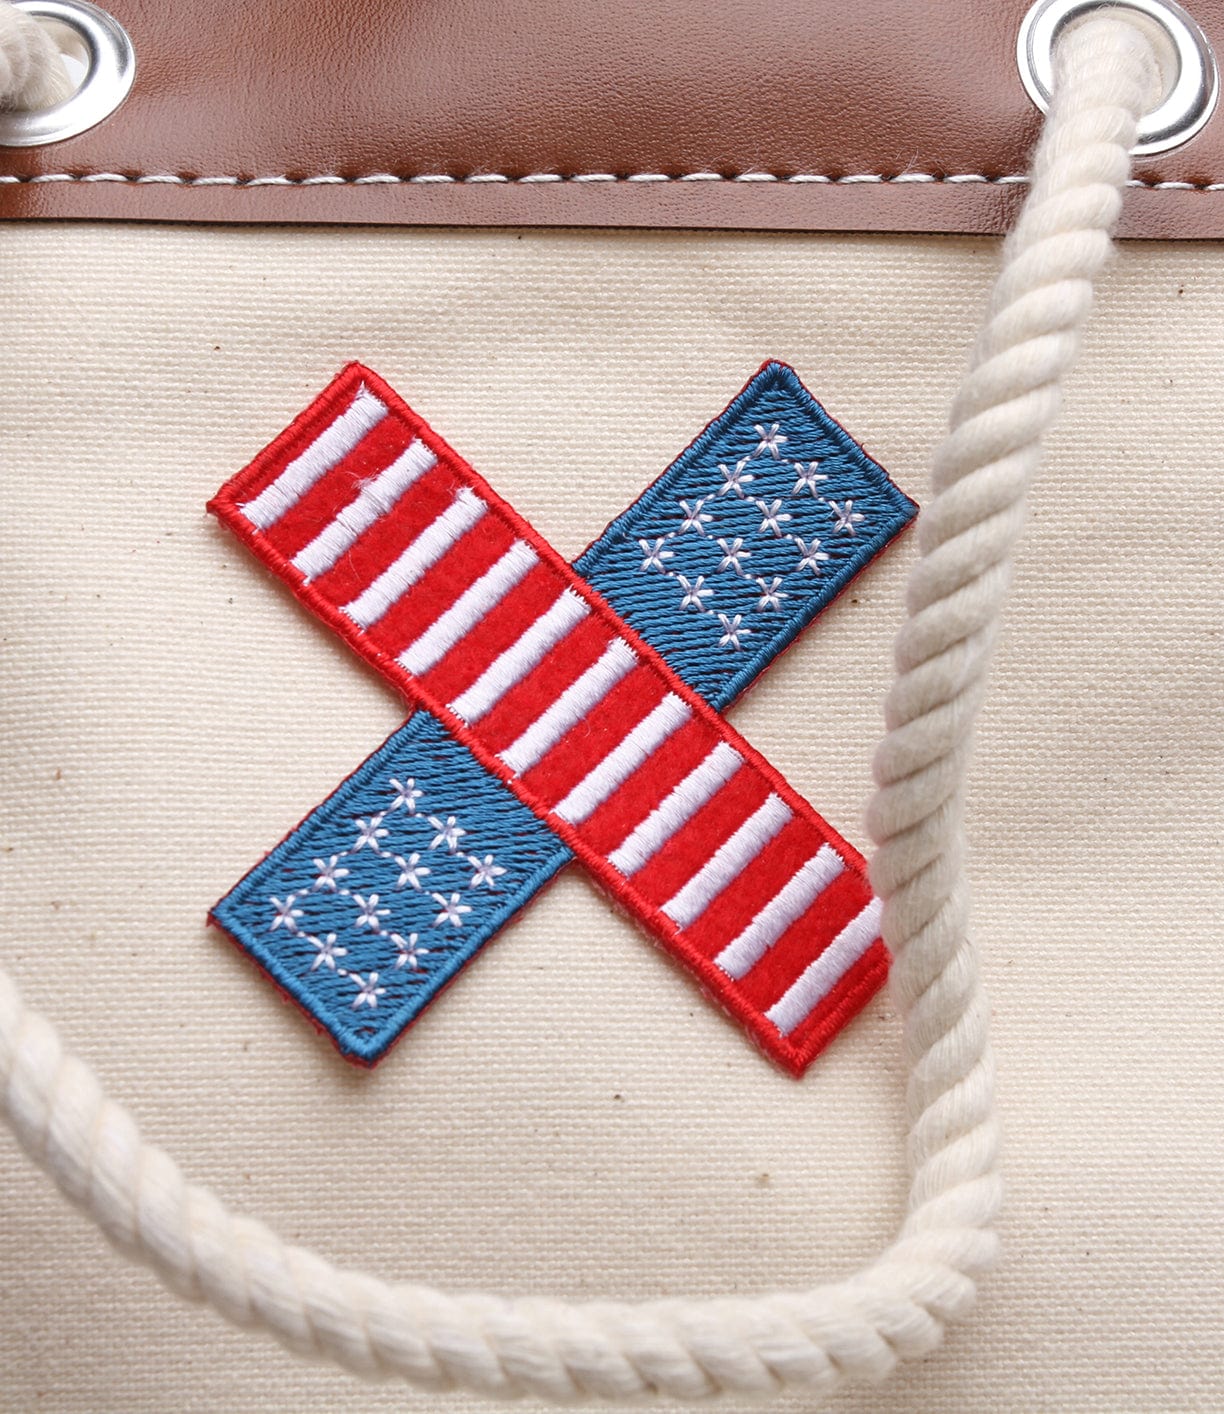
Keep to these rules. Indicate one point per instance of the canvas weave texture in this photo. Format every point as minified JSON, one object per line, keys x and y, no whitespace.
{"x":573,"y":1118}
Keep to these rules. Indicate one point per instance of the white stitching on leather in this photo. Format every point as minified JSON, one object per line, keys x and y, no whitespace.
{"x":532,"y":178}
{"x":542,"y":178}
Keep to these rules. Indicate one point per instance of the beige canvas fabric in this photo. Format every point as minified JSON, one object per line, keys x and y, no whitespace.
{"x":572,"y":1116}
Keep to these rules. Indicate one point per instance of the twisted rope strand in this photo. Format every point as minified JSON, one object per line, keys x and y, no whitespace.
{"x":897,"y":1308}
{"x":32,"y":70}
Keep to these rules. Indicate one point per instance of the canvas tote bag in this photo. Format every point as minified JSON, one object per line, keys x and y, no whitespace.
{"x":560,"y":239}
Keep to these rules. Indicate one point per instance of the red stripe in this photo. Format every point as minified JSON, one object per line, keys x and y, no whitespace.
{"x":500,"y":628}
{"x":388,"y":537}
{"x":563,"y":665}
{"x":733,"y":910}
{"x":337,"y":488}
{"x":693,"y":844}
{"x":335,"y":400}
{"x":603,"y":728}
{"x":438,"y":588}
{"x":851,"y":994}
{"x":805,"y":939}
{"x":653,"y":780}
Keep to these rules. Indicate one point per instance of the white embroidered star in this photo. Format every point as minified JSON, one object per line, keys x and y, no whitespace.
{"x":807,"y":478}
{"x":406,"y":795}
{"x":412,"y":871}
{"x":452,"y":910}
{"x":694,"y":591}
{"x":326,"y":952}
{"x":733,"y":553}
{"x":771,"y":593}
{"x":409,"y":951}
{"x":811,"y":556}
{"x":735,"y":478}
{"x":694,"y":517}
{"x":368,"y":990}
{"x":772,"y":517}
{"x":330,"y":873}
{"x":846,"y":516}
{"x":486,"y":871}
{"x":286,"y":915}
{"x":369,"y":912}
{"x":654,"y":553}
{"x":449,"y":833}
{"x":771,"y":440}
{"x":733,"y":631}
{"x":370,"y":831}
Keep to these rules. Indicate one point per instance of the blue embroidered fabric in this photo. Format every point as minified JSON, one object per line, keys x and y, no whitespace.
{"x":377,"y":900}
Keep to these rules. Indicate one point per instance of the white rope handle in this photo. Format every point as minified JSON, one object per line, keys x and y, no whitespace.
{"x":33,"y":74}
{"x":896,"y":1308}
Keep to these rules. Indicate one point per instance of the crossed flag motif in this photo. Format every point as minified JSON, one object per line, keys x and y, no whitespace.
{"x":564,"y":711}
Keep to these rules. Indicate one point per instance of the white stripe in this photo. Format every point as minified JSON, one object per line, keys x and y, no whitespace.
{"x":426,"y":550}
{"x":649,"y":734}
{"x":791,"y":901}
{"x":329,"y":448}
{"x":820,"y":976}
{"x":376,"y":498}
{"x":512,"y":666}
{"x":728,"y":862}
{"x":676,"y":809}
{"x":574,"y":703}
{"x":468,"y":610}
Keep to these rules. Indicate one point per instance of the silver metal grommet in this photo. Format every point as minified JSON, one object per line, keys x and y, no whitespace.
{"x":1189,"y":103}
{"x":109,"y":63}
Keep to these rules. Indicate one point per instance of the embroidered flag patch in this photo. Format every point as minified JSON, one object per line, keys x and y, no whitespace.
{"x":568,"y":711}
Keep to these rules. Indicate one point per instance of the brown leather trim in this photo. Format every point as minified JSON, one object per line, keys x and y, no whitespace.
{"x":884,"y":115}
{"x":1153,"y":215}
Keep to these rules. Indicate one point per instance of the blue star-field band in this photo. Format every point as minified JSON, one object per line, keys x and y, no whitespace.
{"x":371,"y":906}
